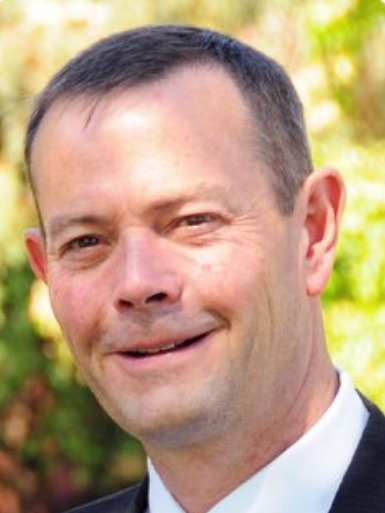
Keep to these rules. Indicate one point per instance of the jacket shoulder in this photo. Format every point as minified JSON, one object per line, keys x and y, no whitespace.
{"x":363,"y":487}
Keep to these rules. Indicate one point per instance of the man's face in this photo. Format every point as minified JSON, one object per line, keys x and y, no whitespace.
{"x":178,"y":284}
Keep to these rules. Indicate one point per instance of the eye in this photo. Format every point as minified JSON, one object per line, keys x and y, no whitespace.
{"x":85,"y":241}
{"x":195,"y":220}
{"x":195,"y":229}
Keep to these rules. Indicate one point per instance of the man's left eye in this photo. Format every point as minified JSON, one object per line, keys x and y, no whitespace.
{"x":195,"y":220}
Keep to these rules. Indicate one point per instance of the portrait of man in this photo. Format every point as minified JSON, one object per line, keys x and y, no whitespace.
{"x":186,"y":239}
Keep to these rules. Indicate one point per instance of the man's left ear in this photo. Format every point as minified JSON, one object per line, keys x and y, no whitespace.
{"x":324,"y":194}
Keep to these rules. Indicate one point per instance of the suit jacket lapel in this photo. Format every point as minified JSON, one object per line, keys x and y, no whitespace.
{"x":363,"y":487}
{"x":139,"y":503}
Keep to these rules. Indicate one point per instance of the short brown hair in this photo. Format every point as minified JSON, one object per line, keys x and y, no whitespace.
{"x":146,"y":54}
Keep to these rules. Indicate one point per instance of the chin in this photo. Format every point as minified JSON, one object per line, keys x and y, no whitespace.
{"x":169,"y":429}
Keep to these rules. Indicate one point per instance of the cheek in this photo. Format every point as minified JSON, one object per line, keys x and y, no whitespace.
{"x":75,"y":309}
{"x":229,"y":280}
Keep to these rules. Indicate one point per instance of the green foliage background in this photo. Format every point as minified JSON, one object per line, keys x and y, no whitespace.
{"x":56,"y":447}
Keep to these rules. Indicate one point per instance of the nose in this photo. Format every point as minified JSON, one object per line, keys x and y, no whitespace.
{"x":147,"y":276}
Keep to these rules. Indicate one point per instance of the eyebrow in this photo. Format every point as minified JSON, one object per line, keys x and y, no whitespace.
{"x":201,"y":192}
{"x":61,"y":223}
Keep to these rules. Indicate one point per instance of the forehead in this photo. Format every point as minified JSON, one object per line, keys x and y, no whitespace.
{"x":195,"y":119}
{"x":199,"y":93}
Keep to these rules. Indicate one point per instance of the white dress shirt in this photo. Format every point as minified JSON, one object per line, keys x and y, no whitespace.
{"x":304,"y":478}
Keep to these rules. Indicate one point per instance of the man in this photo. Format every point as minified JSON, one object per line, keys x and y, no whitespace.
{"x":185,"y":242}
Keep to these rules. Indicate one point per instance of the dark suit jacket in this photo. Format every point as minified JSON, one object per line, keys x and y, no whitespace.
{"x":362,"y":489}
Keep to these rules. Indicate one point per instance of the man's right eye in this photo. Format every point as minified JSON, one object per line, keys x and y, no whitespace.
{"x":83,"y":251}
{"x":85,"y":241}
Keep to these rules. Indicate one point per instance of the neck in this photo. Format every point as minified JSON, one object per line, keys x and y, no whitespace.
{"x":217,"y":468}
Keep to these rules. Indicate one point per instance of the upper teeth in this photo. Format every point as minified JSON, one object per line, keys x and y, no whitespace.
{"x":157,"y":349}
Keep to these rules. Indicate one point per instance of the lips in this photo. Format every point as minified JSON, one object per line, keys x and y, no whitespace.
{"x":143,"y":352}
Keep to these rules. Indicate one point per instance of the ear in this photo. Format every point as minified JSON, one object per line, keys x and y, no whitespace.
{"x":35,"y":243}
{"x":325,"y":199}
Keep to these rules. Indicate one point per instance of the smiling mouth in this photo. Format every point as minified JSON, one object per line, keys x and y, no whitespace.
{"x":177,"y":346}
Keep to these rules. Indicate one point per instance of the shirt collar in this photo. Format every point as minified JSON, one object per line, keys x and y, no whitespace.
{"x":304,"y":478}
